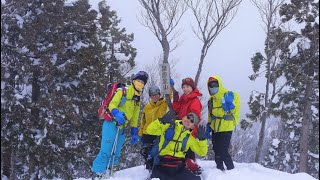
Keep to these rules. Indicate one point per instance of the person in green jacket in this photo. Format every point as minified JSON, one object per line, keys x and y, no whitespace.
{"x":123,"y":113}
{"x":174,"y":144}
{"x":223,"y":116}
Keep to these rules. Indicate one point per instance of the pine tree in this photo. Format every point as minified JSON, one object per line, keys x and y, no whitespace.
{"x":53,"y":70}
{"x":305,"y":71}
{"x":300,"y":102}
{"x":116,"y":44}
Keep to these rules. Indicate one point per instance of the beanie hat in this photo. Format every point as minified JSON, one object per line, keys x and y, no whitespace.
{"x":154,"y":90}
{"x":142,"y":76}
{"x":193,"y":118}
{"x":188,"y":81}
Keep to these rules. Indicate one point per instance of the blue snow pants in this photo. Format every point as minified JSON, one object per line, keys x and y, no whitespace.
{"x":109,"y":130}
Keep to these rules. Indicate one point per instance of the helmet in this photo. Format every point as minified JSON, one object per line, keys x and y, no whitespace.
{"x":153,"y":90}
{"x":142,"y":75}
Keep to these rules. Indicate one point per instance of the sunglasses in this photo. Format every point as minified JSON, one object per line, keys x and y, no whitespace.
{"x":190,"y":117}
{"x":213,"y":84}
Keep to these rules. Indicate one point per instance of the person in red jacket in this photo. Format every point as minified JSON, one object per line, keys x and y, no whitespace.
{"x":189,"y":102}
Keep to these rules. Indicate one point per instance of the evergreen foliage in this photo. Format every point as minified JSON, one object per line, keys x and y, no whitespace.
{"x":54,"y":69}
{"x":299,"y":109}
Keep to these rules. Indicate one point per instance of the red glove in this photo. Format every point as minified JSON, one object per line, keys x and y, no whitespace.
{"x":192,"y":165}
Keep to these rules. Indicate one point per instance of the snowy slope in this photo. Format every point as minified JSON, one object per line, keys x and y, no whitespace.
{"x":242,"y":171}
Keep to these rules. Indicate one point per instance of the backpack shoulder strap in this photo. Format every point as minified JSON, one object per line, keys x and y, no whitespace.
{"x":210,"y":103}
{"x":166,"y":141}
{"x":124,"y":91}
{"x":124,"y":95}
{"x":184,"y":142}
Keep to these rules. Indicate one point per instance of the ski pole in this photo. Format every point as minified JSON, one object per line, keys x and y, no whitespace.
{"x":114,"y":150}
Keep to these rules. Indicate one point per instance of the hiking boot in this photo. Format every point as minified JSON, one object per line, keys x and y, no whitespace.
{"x":221,"y":168}
{"x":98,"y":176}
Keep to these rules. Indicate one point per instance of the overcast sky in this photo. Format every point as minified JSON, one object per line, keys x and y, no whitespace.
{"x":229,"y":56}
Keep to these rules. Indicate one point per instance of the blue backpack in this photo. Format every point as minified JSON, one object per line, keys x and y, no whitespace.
{"x":154,"y":153}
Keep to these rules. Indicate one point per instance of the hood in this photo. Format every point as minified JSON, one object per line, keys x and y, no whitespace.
{"x":195,"y":93}
{"x":221,"y":88}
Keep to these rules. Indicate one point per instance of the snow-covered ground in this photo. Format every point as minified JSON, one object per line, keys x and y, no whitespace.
{"x":242,"y":171}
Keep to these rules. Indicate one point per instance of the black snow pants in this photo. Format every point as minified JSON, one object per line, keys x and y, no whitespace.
{"x":169,"y":169}
{"x":147,"y":141}
{"x":221,"y":143}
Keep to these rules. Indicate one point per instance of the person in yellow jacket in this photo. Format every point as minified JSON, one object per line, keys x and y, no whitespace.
{"x":174,"y":144}
{"x":125,"y":110}
{"x":223,"y":117}
{"x":155,"y":109}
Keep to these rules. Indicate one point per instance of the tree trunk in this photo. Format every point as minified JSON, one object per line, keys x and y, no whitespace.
{"x":166,"y":50}
{"x":305,"y":129}
{"x":203,"y":55}
{"x":6,"y":160}
{"x":35,"y":116}
{"x":261,"y":138}
{"x":12,"y":165}
{"x":33,"y":163}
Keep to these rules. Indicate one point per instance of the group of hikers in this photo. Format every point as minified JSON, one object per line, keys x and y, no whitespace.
{"x":170,"y":137}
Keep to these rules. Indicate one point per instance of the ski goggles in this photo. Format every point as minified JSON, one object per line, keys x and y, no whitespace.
{"x":213,"y":84}
{"x":190,"y":117}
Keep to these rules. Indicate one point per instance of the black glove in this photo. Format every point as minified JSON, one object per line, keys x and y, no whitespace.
{"x":201,"y":134}
{"x":169,"y":117}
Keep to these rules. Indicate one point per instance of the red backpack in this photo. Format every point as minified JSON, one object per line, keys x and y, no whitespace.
{"x":103,"y":111}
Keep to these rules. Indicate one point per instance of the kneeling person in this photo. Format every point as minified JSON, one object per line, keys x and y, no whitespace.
{"x":175,"y":140}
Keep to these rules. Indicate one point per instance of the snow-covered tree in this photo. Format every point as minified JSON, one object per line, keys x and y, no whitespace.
{"x":300,"y":102}
{"x":268,"y":64}
{"x":116,"y":44}
{"x":305,"y":63}
{"x":54,"y":66}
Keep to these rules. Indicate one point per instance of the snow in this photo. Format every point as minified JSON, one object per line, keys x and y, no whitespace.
{"x":3,"y":85}
{"x":314,"y":155}
{"x":20,"y":137}
{"x":242,"y":171}
{"x":76,"y":108}
{"x":287,"y":157}
{"x":301,"y":42}
{"x":20,"y":21}
{"x":69,"y":3}
{"x":78,"y":46}
{"x":54,"y":58}
{"x":291,"y":135}
{"x":40,"y":135}
{"x":275,"y":142}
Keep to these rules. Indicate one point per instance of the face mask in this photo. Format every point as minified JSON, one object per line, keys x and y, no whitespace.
{"x":213,"y":90}
{"x":138,"y":85}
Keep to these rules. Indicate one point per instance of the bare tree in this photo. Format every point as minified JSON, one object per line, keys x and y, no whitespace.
{"x":212,"y":17}
{"x":269,"y":15}
{"x":162,"y":18}
{"x":154,"y":72}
